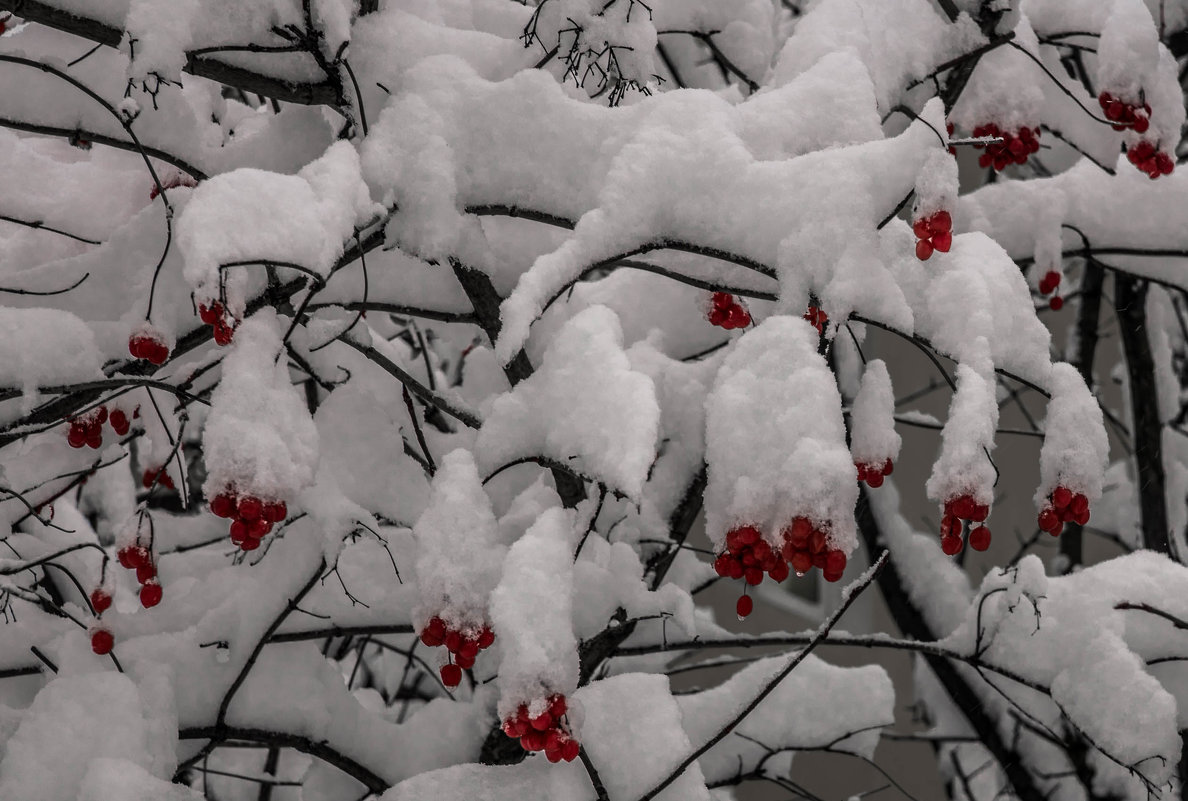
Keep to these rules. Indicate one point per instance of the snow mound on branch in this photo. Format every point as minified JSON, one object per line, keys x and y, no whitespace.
{"x":1076,"y":449}
{"x":259,"y":436}
{"x":532,"y":612}
{"x":873,"y":435}
{"x":458,"y":552}
{"x":609,"y":576}
{"x":584,"y":406}
{"x":1006,"y":88}
{"x":1128,"y":50}
{"x":964,"y":464}
{"x":775,"y":438}
{"x":73,"y":721}
{"x":159,"y":34}
{"x":814,"y":706}
{"x":253,"y":215}
{"x":43,"y":347}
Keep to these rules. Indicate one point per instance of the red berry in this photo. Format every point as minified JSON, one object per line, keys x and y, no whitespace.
{"x":465,"y":662}
{"x":835,"y":561}
{"x":979,"y":538}
{"x":951,"y":545}
{"x":275,"y":511}
{"x":861,"y":468}
{"x":942,"y":221}
{"x":77,"y":436}
{"x":451,"y":675}
{"x":1078,"y":504}
{"x":569,"y":751}
{"x":943,"y":241}
{"x":888,"y":467}
{"x":239,"y":532}
{"x":222,"y":505}
{"x":744,"y":606}
{"x":722,"y":564}
{"x":249,"y":544}
{"x":831,"y":576}
{"x":469,"y":649}
{"x":102,"y":641}
{"x":486,"y":638}
{"x":258,"y":528}
{"x":95,"y":440}
{"x":1061,"y":497}
{"x":100,"y":600}
{"x":125,"y":557}
{"x":119,"y":422}
{"x":875,"y":480}
{"x":923,"y":250}
{"x":800,"y":533}
{"x":150,"y":594}
{"x":249,"y":508}
{"x":979,"y":513}
{"x":801,"y":562}
{"x":140,"y":556}
{"x":1049,"y":522}
{"x":453,"y":641}
{"x":146,"y":571}
{"x":922,"y":228}
{"x":753,"y":575}
{"x":1056,"y":303}
{"x":778,"y":571}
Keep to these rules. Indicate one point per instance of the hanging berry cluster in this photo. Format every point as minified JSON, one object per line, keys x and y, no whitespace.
{"x":1150,"y":160}
{"x":1125,"y":115}
{"x":463,"y":645}
{"x":216,"y":316}
{"x":748,"y":556}
{"x":140,"y":559}
{"x":102,"y":640}
{"x":726,"y":312}
{"x":547,"y":731}
{"x":934,"y":232}
{"x":873,"y":474}
{"x":87,"y":429}
{"x":1013,"y":149}
{"x":1063,"y":506}
{"x":818,"y":318}
{"x":251,"y":517}
{"x":806,"y":546}
{"x":158,"y":476}
{"x":148,"y":344}
{"x":957,"y":509}
{"x":1049,"y":284}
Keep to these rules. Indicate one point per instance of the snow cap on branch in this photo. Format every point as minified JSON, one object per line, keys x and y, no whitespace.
{"x":873,"y":438}
{"x":1075,"y":452}
{"x":964,"y":465}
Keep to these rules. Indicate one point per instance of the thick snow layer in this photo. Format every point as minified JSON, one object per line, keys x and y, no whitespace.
{"x":775,"y":439}
{"x":532,"y":609}
{"x":1075,"y":452}
{"x":459,"y":556}
{"x":964,"y":466}
{"x":249,"y":215}
{"x":584,"y":406}
{"x":873,"y":438}
{"x":259,"y":437}
{"x":45,"y":347}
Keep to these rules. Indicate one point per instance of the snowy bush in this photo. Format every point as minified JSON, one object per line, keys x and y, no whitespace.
{"x":383,"y":384}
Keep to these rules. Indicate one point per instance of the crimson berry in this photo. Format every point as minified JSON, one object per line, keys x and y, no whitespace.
{"x":239,"y":532}
{"x":258,"y":528}
{"x":835,"y":561}
{"x":210,"y":314}
{"x":942,"y":221}
{"x":874,"y":480}
{"x":451,"y":675}
{"x":924,"y":250}
{"x":1056,"y":303}
{"x":979,"y":513}
{"x":249,"y":544}
{"x":145,"y":571}
{"x":453,"y":641}
{"x":1048,"y":521}
{"x":77,"y":436}
{"x":943,"y":241}
{"x":542,"y":722}
{"x":150,"y":594}
{"x":100,"y":600}
{"x":951,"y":545}
{"x":434,"y":633}
{"x":249,"y":508}
{"x":802,"y":562}
{"x":557,"y":706}
{"x":800,"y":532}
{"x":125,"y":557}
{"x":275,"y":511}
{"x":140,"y":556}
{"x":469,"y":649}
{"x":922,"y":228}
{"x":753,"y":575}
{"x":830,"y":576}
{"x":778,"y":571}
{"x":222,"y":505}
{"x":1061,"y":497}
{"x":979,"y":538}
{"x":888,"y":467}
{"x":119,"y":422}
{"x":486,"y":638}
{"x":817,"y":541}
{"x":570,"y":750}
{"x":722,"y":564}
{"x":102,"y":641}
{"x":744,"y":606}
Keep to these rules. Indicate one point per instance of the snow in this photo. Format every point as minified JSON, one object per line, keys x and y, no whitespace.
{"x":873,"y":438}
{"x":62,"y":351}
{"x":584,"y":407}
{"x":1075,"y":452}
{"x":964,"y":465}
{"x":775,"y":440}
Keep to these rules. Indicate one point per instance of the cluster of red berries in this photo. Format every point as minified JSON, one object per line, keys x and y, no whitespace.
{"x":147,"y":344}
{"x":1125,"y":115}
{"x":1049,"y":284}
{"x":251,"y":517}
{"x":873,"y":474}
{"x":172,"y":182}
{"x":748,"y":556}
{"x":1013,"y":149}
{"x":215,"y":315}
{"x":159,"y":476}
{"x":964,"y":507}
{"x":805,"y":548}
{"x":818,"y":318}
{"x":463,"y":645}
{"x":87,"y":429}
{"x":934,"y":232}
{"x":140,"y":559}
{"x":1064,"y":506}
{"x":726,"y":312}
{"x":1147,"y":158}
{"x":102,"y":640}
{"x":546,"y":732}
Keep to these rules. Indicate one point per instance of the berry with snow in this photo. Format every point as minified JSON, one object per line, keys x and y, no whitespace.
{"x":148,"y":344}
{"x":158,"y":476}
{"x":215,"y":315}
{"x":251,"y":517}
{"x":1123,"y":114}
{"x":100,"y":600}
{"x":933,"y":233}
{"x":958,"y":508}
{"x":1013,"y":149}
{"x":151,"y":593}
{"x":748,"y":556}
{"x":1150,"y":159}
{"x":1063,"y":506}
{"x":806,"y":546}
{"x":102,"y":641}
{"x":817,"y":317}
{"x":873,"y":474}
{"x":547,"y":730}
{"x":726,"y":312}
{"x":87,"y":429}
{"x":462,"y":643}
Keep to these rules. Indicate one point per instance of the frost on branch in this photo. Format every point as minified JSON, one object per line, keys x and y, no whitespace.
{"x":584,"y":407}
{"x":775,"y":439}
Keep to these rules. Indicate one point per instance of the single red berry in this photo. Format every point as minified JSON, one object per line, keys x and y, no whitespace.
{"x":140,"y":556}
{"x":778,"y":571}
{"x":744,"y":606}
{"x":1056,"y":303}
{"x":979,"y":513}
{"x":753,"y":575}
{"x":874,"y":480}
{"x":249,"y":508}
{"x":922,"y":228}
{"x":119,"y":422}
{"x":943,"y":241}
{"x":451,"y":675}
{"x":275,"y":511}
{"x":77,"y":436}
{"x":861,"y":468}
{"x":258,"y":528}
{"x":942,"y":221}
{"x":1078,"y":504}
{"x":453,"y":641}
{"x":817,"y":541}
{"x":570,"y":750}
{"x":146,"y":571}
{"x":94,"y":440}
{"x":150,"y":594}
{"x":542,"y":722}
{"x":102,"y":641}
{"x":239,"y":532}
{"x":722,"y":564}
{"x":469,"y":649}
{"x":888,"y":467}
{"x":1061,"y":497}
{"x":979,"y":538}
{"x":924,"y":250}
{"x":249,"y":544}
{"x":100,"y":600}
{"x":951,"y":545}
{"x":1049,"y":521}
{"x":801,"y":562}
{"x":222,"y":505}
{"x":486,"y":638}
{"x":831,"y":576}
{"x":835,"y":561}
{"x":125,"y":557}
